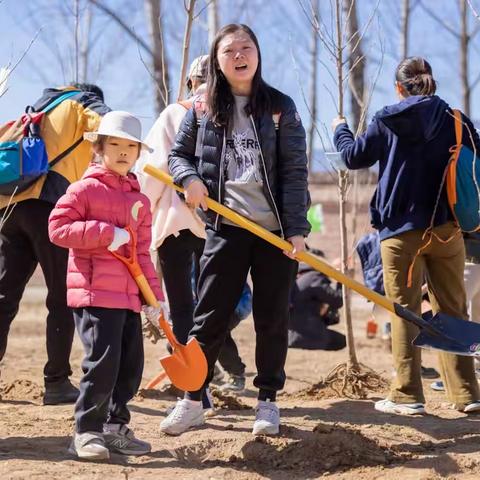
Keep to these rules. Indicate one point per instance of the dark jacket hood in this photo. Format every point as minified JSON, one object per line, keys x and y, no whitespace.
{"x":418,"y":118}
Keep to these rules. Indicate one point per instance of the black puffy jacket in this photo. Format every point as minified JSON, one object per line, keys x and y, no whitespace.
{"x":285,"y":173}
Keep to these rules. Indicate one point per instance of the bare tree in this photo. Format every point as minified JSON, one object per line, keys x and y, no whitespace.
{"x":186,"y":46}
{"x":464,"y":36}
{"x":157,"y":53}
{"x":212,"y":20}
{"x":350,"y":378}
{"x":405,"y":24}
{"x":356,"y":63}
{"x":313,"y":86}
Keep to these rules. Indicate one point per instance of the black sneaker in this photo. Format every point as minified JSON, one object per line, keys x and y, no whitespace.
{"x":57,"y":393}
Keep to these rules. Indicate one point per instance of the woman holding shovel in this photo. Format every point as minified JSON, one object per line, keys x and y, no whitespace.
{"x":235,"y":153}
{"x":411,"y":140}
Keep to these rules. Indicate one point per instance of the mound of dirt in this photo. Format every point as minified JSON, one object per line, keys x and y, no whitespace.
{"x":21,"y":389}
{"x":165,"y":392}
{"x":226,"y":401}
{"x":329,"y":447}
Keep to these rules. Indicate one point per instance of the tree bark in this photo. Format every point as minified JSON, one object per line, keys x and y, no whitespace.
{"x":356,"y":64}
{"x":186,"y":48}
{"x":212,"y":20}
{"x":464,"y":47}
{"x":313,"y":87}
{"x":159,"y":64}
{"x":405,"y":27}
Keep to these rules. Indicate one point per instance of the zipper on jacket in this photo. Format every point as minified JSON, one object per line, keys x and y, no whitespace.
{"x":266,"y":177}
{"x":221,"y":176}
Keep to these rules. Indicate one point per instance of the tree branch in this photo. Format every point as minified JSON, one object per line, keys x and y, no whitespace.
{"x":439,"y":20}
{"x":122,"y":24}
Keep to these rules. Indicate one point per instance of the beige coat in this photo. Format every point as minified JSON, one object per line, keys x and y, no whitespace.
{"x":170,"y":214}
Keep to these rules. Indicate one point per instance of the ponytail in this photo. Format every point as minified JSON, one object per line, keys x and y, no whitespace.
{"x":415,"y":76}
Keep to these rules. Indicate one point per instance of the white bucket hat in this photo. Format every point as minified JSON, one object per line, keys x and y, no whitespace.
{"x":119,"y":124}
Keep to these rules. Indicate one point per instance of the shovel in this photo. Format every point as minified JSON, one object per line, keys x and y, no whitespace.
{"x":186,"y":366}
{"x":441,"y":332}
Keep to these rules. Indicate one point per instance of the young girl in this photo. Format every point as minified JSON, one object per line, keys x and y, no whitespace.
{"x":411,"y":140}
{"x":90,"y":220}
{"x":237,"y":156}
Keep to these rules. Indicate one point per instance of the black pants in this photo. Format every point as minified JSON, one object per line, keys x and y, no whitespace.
{"x":227,"y":258}
{"x":112,"y":367}
{"x":24,"y":244}
{"x":177,"y":257}
{"x":229,"y":358}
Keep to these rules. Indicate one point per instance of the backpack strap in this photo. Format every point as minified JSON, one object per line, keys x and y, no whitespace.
{"x":59,"y":100}
{"x":66,"y":152}
{"x":458,"y":126}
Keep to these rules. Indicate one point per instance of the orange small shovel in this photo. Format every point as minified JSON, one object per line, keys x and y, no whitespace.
{"x":186,"y":366}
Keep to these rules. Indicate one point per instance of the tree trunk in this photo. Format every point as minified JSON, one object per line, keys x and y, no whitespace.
{"x":85,"y":45}
{"x":356,"y":64}
{"x":313,"y":88}
{"x":405,"y":29}
{"x":342,"y":190}
{"x":464,"y":46}
{"x":186,"y":48}
{"x":212,"y":20}
{"x":159,"y":64}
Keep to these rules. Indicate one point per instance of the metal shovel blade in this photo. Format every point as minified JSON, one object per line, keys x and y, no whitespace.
{"x":457,"y":336}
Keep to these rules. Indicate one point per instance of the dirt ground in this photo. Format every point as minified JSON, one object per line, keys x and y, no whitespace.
{"x":320,"y":436}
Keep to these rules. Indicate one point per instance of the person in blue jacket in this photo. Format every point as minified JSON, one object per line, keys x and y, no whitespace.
{"x":411,"y":142}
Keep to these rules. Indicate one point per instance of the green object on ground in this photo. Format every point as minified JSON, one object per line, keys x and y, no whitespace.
{"x":315,"y":217}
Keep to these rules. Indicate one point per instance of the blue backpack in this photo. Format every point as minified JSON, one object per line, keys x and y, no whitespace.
{"x":463,"y":181}
{"x":23,"y":156}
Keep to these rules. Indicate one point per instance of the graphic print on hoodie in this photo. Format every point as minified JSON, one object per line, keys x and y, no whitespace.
{"x":242,"y":167}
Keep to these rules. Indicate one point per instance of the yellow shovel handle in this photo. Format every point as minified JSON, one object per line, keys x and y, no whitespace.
{"x":270,"y":237}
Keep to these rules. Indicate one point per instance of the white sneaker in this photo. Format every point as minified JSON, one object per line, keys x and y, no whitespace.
{"x":469,"y":407}
{"x":267,"y":419}
{"x":185,"y":415}
{"x":387,"y":406}
{"x":89,"y":445}
{"x":208,"y":407}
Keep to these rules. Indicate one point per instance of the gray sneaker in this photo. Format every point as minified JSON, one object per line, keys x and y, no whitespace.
{"x":235,"y":383}
{"x":120,"y":439}
{"x":89,"y":446}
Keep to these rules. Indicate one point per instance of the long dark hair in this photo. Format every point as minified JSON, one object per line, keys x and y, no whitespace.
{"x":219,"y":95}
{"x":415,"y":76}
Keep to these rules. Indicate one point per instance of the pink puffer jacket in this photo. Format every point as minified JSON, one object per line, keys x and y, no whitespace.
{"x":84,"y":221}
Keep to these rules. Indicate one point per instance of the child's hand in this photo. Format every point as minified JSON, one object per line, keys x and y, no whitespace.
{"x":195,"y":194}
{"x":120,"y":237}
{"x":150,"y":325}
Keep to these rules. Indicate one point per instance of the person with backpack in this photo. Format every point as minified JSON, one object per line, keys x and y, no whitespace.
{"x":24,"y":241}
{"x":419,"y":237}
{"x":236,"y":155}
{"x":102,"y":213}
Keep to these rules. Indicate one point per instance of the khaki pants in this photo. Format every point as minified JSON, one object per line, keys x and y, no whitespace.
{"x":441,"y":264}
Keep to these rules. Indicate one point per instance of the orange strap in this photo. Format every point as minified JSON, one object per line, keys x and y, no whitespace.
{"x":430,"y":234}
{"x":458,"y":127}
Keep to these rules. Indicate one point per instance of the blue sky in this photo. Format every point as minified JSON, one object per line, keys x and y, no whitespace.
{"x":280,"y":25}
